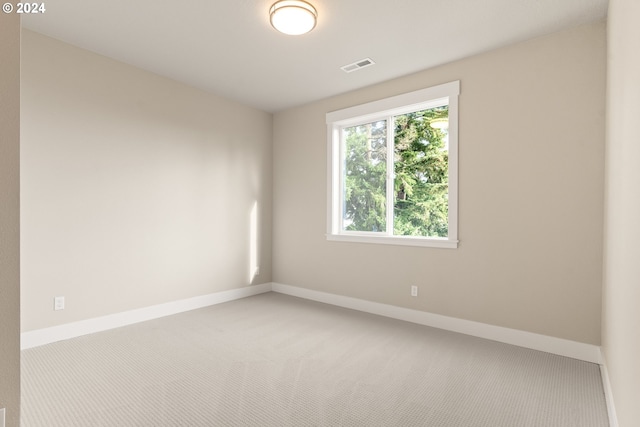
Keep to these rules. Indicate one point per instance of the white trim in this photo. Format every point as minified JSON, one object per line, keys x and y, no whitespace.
{"x":453,"y":167}
{"x":405,"y":101}
{"x":395,"y":240}
{"x":559,"y":346}
{"x":608,"y":393}
{"x":97,"y":324}
{"x":386,"y":109}
{"x":587,"y":352}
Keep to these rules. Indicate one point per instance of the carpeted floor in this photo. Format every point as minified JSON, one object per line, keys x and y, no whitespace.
{"x":275,"y":360}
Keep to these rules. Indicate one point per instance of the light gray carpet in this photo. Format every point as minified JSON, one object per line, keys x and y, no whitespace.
{"x":275,"y":360}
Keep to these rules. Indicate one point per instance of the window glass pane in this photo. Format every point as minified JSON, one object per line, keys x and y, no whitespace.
{"x":365,"y":177}
{"x":421,"y":185}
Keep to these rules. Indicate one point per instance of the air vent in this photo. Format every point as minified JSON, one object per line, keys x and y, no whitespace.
{"x":357,"y":65}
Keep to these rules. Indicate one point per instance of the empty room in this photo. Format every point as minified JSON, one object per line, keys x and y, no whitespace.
{"x":320,"y":213}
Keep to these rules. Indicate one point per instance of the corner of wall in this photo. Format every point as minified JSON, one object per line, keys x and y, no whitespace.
{"x":10,"y":217}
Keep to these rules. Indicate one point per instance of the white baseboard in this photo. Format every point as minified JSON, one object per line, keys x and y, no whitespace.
{"x":559,"y":346}
{"x":608,"y":394}
{"x":573,"y":349}
{"x":84,"y":327}
{"x":587,"y":352}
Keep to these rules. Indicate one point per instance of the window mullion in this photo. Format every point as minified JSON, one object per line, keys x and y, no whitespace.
{"x":391,"y":176}
{"x":341,"y":179}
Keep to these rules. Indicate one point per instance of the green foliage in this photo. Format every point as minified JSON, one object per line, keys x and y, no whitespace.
{"x":421,"y":169}
{"x":421,"y":176}
{"x":366,"y":177}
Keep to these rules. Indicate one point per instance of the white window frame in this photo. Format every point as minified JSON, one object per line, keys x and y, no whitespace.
{"x":379,"y":110}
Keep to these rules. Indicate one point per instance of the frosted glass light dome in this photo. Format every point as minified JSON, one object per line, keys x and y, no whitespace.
{"x":293,"y":17}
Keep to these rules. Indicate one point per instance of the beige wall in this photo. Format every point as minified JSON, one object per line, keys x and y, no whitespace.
{"x":136,"y":190}
{"x":531,"y":194}
{"x":621,"y":307}
{"x":10,"y":217}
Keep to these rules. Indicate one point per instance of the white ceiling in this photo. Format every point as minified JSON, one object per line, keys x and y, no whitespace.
{"x":228,"y":47}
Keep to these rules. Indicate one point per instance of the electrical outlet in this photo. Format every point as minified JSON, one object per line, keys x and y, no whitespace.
{"x":58,"y":303}
{"x":414,"y":291}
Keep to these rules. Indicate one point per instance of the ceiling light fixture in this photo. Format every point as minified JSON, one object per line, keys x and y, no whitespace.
{"x":293,"y":17}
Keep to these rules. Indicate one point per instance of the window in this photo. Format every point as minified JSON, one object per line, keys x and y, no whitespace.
{"x":393,"y":170}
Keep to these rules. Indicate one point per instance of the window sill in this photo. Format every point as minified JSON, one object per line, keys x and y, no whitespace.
{"x":396,"y":240}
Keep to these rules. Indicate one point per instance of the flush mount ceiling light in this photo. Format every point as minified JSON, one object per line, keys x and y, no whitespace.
{"x":293,"y":17}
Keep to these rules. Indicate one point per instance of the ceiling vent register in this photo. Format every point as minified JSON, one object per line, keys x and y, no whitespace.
{"x":358,"y":65}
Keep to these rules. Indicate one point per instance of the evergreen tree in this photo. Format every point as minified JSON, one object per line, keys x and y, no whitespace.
{"x":366,"y":177}
{"x":421,"y":175}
